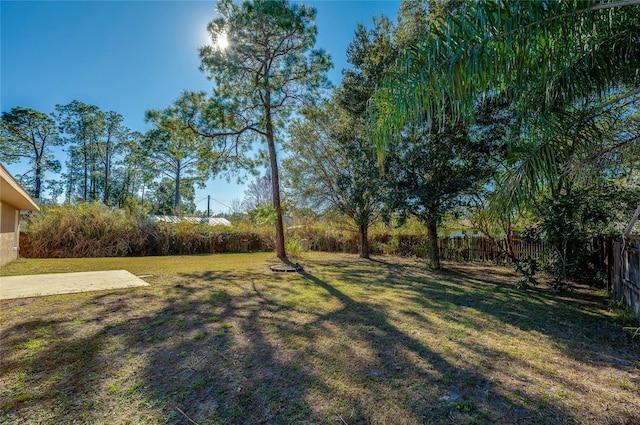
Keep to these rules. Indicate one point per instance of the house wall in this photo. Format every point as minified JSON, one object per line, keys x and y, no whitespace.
{"x":9,"y":236}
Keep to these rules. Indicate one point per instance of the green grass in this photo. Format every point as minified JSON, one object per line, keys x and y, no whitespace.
{"x":226,"y":341}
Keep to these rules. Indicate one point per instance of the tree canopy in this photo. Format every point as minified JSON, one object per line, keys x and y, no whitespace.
{"x":331,"y":168}
{"x":267,"y":69}
{"x":29,"y":134}
{"x":563,"y":65}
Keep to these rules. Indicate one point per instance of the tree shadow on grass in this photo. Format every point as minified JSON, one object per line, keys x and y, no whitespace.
{"x":401,"y":367}
{"x":576,"y":323}
{"x":249,"y":348}
{"x":582,"y":335}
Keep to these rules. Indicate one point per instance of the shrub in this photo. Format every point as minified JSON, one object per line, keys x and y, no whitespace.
{"x":527,"y":267}
{"x":88,"y":230}
{"x":293,"y":246}
{"x":94,"y":230}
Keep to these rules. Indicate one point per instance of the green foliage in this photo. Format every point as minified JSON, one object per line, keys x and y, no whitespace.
{"x":162,"y":195}
{"x":564,"y":79}
{"x":543,"y":55}
{"x":105,"y":160}
{"x":429,"y":165}
{"x":27,"y":134}
{"x":624,"y":315}
{"x":432,"y":169}
{"x":294,"y":248}
{"x":263,"y":214}
{"x":570,"y":220}
{"x":370,"y":53}
{"x":332,"y":170}
{"x":96,"y":139}
{"x":399,"y":243}
{"x":635,"y":332}
{"x":178,"y":153}
{"x":566,"y":70}
{"x":527,"y":267}
{"x":274,"y":33}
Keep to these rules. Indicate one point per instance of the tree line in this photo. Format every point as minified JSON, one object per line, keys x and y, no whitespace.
{"x":518,"y":116}
{"x":105,"y":160}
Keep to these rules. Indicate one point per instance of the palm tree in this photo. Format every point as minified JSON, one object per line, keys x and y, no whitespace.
{"x":569,"y":70}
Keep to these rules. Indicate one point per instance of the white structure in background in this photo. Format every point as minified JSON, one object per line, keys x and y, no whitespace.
{"x":211,"y":221}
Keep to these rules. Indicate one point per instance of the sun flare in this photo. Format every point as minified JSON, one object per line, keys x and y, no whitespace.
{"x":221,"y":41}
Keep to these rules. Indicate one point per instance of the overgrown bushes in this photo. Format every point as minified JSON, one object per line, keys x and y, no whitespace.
{"x":88,"y":230}
{"x":94,"y":230}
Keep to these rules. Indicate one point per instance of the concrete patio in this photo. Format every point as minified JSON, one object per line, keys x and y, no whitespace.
{"x":66,"y":283}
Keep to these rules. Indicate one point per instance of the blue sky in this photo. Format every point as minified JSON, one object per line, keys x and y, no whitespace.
{"x":130,"y":56}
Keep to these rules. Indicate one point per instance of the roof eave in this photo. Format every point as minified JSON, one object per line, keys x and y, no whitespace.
{"x":12,"y":193}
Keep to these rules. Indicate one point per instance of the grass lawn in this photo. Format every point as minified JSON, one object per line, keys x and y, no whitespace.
{"x":219,"y":339}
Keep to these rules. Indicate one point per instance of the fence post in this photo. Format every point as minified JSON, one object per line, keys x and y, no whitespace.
{"x":617,"y":264}
{"x":609,"y":262}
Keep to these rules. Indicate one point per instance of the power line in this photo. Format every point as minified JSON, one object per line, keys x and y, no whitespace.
{"x":221,"y":203}
{"x":214,"y":200}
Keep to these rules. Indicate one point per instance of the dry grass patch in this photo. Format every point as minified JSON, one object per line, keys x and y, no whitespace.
{"x":222,"y":340}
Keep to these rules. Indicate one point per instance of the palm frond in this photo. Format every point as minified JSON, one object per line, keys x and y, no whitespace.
{"x":542,"y":54}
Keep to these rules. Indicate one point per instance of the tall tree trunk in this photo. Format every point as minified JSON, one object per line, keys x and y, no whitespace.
{"x":433,"y":261}
{"x":95,"y":184}
{"x":38,"y":162}
{"x":71,"y":179}
{"x":105,"y":196}
{"x":275,"y":181}
{"x":85,"y":157}
{"x":92,"y":189}
{"x":364,"y":240}
{"x":176,"y":193}
{"x":69,"y":188}
{"x":38,"y":188}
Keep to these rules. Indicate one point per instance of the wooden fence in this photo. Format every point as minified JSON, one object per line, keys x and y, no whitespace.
{"x":490,"y":250}
{"x":624,"y":271}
